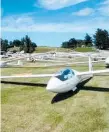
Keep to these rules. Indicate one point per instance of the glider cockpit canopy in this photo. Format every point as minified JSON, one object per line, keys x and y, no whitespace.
{"x":65,"y":74}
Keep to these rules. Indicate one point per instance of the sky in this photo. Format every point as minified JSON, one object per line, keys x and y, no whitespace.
{"x":51,"y":22}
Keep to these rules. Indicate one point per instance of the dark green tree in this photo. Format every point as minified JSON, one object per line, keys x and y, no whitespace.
{"x":4,"y":44}
{"x":11,"y":44}
{"x":17,"y":43}
{"x":64,"y":45}
{"x":80,"y":42}
{"x":101,"y":39}
{"x":22,"y":44}
{"x":72,"y":43}
{"x":88,"y":40}
{"x":27,"y":45}
{"x":34,"y":46}
{"x":106,"y":40}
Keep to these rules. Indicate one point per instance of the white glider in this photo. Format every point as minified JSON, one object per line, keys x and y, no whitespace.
{"x":7,"y":63}
{"x":107,"y":61}
{"x":65,"y":80}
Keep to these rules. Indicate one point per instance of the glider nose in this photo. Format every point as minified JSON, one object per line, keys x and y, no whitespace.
{"x":50,"y":85}
{"x":53,"y":85}
{"x":49,"y":88}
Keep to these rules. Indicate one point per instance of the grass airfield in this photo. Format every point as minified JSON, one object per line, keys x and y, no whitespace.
{"x":28,"y":107}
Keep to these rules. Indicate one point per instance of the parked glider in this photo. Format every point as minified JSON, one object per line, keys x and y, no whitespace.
{"x":65,"y":80}
{"x":107,"y":61}
{"x":8,"y":63}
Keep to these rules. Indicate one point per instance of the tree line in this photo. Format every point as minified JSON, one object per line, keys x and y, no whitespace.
{"x":100,"y":39}
{"x":24,"y":44}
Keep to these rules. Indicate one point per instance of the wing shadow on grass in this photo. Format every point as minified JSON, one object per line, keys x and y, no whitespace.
{"x":96,"y":89}
{"x":25,"y":83}
{"x":62,"y":96}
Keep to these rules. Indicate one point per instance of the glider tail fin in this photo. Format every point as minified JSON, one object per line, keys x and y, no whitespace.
{"x":19,"y":62}
{"x":90,"y":64}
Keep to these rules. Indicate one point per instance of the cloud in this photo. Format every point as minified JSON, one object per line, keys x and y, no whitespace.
{"x":27,"y":24}
{"x":23,"y":23}
{"x":58,"y":4}
{"x":105,"y":2}
{"x":84,"y":12}
{"x":104,"y":8}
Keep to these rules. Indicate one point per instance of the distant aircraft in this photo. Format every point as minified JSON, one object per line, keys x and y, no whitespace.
{"x":65,"y":80}
{"x":7,"y":63}
{"x":107,"y":61}
{"x":99,"y":59}
{"x":104,"y":59}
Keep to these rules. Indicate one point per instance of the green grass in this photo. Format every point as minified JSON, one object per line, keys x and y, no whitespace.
{"x":29,"y":108}
{"x":43,"y":49}
{"x":84,"y":49}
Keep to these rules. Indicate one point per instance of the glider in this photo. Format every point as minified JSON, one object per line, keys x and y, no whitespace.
{"x":66,"y":79}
